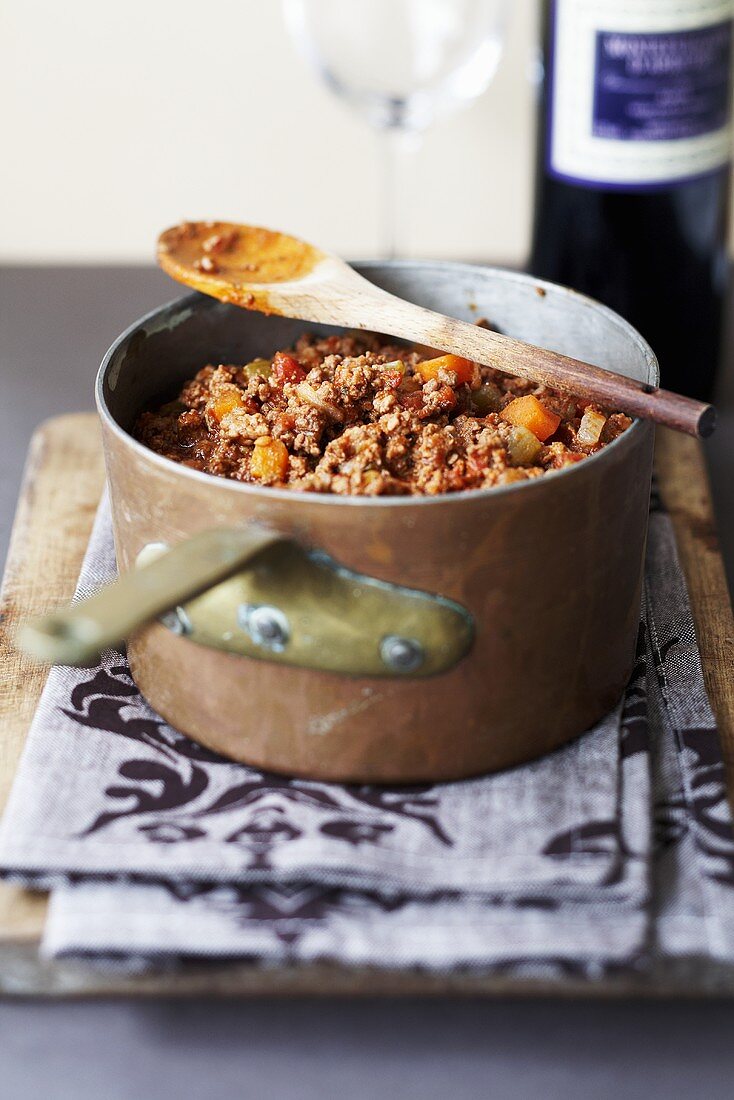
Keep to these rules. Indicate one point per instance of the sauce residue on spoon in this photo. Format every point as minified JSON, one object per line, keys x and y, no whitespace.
{"x":231,"y":261}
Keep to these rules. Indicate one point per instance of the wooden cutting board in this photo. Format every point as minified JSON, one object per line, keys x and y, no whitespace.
{"x":61,"y":488}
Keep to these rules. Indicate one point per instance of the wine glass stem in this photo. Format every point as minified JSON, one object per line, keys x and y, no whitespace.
{"x":397,"y":146}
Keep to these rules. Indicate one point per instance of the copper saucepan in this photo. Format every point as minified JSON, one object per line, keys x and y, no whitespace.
{"x":372,"y":639}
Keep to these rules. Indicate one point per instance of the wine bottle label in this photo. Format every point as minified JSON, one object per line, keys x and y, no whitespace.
{"x":639,"y":91}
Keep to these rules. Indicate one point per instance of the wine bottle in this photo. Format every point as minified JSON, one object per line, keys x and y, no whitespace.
{"x":633,"y":169}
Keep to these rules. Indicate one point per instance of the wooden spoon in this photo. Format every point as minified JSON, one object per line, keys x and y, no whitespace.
{"x":274,"y":273}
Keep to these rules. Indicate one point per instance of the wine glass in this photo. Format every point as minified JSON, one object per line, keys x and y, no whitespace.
{"x":400,"y":64}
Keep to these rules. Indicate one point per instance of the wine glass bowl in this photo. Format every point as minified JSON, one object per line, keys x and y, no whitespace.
{"x":400,"y":65}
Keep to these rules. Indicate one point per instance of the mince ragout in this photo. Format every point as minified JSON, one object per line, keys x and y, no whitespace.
{"x":352,"y":414}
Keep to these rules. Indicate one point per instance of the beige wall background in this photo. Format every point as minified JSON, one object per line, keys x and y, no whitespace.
{"x":119,"y":119}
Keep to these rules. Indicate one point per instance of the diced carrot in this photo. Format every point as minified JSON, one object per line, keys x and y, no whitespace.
{"x":462,"y":368}
{"x":225,"y":403}
{"x":269,"y":460}
{"x":287,"y":369}
{"x":527,"y":412}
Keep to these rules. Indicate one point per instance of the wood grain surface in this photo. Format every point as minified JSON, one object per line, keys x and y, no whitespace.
{"x":62,"y":484}
{"x":685,"y":491}
{"x":61,"y":487}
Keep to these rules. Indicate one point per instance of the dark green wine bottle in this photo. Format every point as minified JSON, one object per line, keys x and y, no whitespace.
{"x":633,"y":169}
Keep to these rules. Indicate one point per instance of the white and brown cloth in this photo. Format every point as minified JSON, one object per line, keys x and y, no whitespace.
{"x":615,"y":851}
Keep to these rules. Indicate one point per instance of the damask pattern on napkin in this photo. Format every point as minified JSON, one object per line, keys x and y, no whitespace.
{"x":158,"y":848}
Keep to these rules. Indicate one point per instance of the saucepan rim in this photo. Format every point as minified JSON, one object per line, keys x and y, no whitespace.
{"x":327,"y":500}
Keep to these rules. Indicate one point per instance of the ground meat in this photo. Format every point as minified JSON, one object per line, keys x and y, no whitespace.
{"x":353,"y":415}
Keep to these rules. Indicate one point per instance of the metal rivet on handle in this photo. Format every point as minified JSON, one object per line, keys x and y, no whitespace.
{"x":177,"y":621}
{"x":150,"y":553}
{"x":267,"y":626}
{"x":401,"y":654}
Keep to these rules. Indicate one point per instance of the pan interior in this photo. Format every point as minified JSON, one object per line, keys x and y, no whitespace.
{"x":149,"y":362}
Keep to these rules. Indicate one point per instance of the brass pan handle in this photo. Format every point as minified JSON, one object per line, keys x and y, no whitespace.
{"x":77,"y":635}
{"x":255,"y":593}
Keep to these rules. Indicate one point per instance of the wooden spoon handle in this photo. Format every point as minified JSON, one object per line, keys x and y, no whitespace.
{"x":260,"y":269}
{"x":387,"y":314}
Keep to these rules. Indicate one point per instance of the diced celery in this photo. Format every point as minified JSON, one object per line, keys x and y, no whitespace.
{"x":255,"y":367}
{"x":487,"y":398}
{"x":591,"y":426}
{"x":524,"y":447}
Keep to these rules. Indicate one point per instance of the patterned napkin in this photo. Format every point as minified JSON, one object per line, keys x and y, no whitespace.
{"x":155,"y":847}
